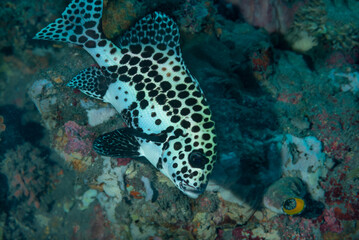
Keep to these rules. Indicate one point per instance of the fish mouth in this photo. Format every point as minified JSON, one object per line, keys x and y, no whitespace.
{"x":192,"y":192}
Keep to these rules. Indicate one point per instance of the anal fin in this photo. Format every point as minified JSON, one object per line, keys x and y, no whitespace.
{"x":119,"y":143}
{"x":92,"y":82}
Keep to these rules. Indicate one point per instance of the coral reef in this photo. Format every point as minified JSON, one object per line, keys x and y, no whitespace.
{"x":305,"y":24}
{"x":304,"y":158}
{"x":313,"y":25}
{"x":195,"y":16}
{"x":351,"y":81}
{"x":273,"y":16}
{"x":278,"y":113}
{"x":119,"y":16}
{"x":75,"y":144}
{"x":308,"y":25}
{"x":112,"y":180}
{"x":28,"y":173}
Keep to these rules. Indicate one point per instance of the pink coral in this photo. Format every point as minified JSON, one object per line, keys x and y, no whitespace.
{"x":341,"y":58}
{"x":331,"y":223}
{"x":330,"y":125}
{"x":79,"y":139}
{"x":24,"y":185}
{"x":123,"y":161}
{"x":293,"y":98}
{"x":100,"y":228}
{"x":240,"y":233}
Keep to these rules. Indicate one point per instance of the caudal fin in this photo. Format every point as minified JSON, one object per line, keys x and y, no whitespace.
{"x":80,"y":24}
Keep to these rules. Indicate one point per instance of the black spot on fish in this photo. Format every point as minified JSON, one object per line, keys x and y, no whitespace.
{"x":90,"y":44}
{"x":102,"y":43}
{"x":197,"y":108}
{"x":208,"y":125}
{"x":175,"y":119}
{"x":150,"y":86}
{"x":181,"y":87}
{"x":136,"y":49}
{"x":145,"y":63}
{"x":183,"y":94}
{"x":145,"y":69}
{"x":185,"y":111}
{"x":112,"y":68}
{"x":171,"y":94}
{"x":162,"y":60}
{"x":197,"y":94}
{"x":161,"y":99}
{"x":158,"y":78}
{"x":175,"y":103}
{"x":196,"y":117}
{"x":153,"y":93}
{"x":176,"y":68}
{"x":139,"y":86}
{"x":140,"y":95}
{"x":125,"y":59}
{"x":195,"y":129}
{"x":165,"y":86}
{"x":152,"y":73}
{"x":92,"y":34}
{"x":143,"y":104}
{"x":134,"y":60}
{"x":78,"y":30}
{"x":157,"y":56}
{"x":170,"y":52}
{"x":137,"y":78}
{"x":207,"y":111}
{"x":132,"y":71}
{"x":185,"y":124}
{"x":124,"y":50}
{"x":113,"y":50}
{"x":148,"y":51}
{"x":89,"y":24}
{"x":162,"y":46}
{"x":206,"y":136}
{"x":191,"y":101}
{"x":73,"y":38}
{"x":124,"y":78}
{"x":122,"y":70}
{"x":82,"y":39}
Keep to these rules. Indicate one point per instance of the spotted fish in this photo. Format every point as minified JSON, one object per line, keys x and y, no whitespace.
{"x":145,"y":78}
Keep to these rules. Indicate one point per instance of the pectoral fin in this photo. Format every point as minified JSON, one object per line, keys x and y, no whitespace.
{"x":119,"y":143}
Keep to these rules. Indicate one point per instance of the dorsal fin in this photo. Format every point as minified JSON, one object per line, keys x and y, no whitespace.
{"x":155,"y":29}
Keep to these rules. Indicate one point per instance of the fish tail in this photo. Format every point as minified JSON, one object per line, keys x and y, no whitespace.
{"x":80,"y":24}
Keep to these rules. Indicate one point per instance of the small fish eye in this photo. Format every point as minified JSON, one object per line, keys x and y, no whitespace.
{"x":293,"y":206}
{"x":197,"y":160}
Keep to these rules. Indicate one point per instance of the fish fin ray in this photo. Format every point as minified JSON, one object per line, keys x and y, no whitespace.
{"x":119,"y":143}
{"x":92,"y":82}
{"x":155,"y":29}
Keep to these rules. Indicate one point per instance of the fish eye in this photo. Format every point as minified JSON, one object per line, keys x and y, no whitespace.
{"x":197,"y":160}
{"x":293,"y":206}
